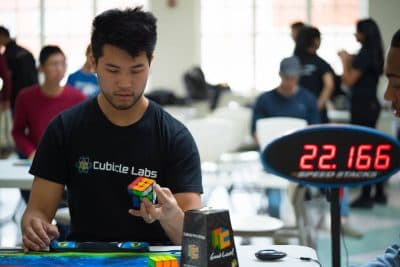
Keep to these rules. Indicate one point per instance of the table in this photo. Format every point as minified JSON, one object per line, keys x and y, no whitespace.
{"x":245,"y":254}
{"x":14,"y":174}
{"x":247,"y":258}
{"x":255,"y":226}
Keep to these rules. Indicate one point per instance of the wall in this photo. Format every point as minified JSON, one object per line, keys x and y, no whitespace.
{"x":178,"y":46}
{"x":386,"y":14}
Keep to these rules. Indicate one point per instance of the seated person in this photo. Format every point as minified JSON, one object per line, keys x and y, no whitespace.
{"x":84,"y":79}
{"x":287,"y":100}
{"x":99,"y":147}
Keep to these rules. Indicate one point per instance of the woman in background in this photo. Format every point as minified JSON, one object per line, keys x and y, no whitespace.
{"x":361,"y":74}
{"x":317,"y":76}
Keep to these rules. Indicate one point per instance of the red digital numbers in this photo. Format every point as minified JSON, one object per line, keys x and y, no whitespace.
{"x":313,"y":149}
{"x":360,"y":157}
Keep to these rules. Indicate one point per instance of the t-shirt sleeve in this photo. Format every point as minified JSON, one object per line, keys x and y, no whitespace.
{"x":361,"y":61}
{"x":50,"y":158}
{"x":324,"y":67}
{"x":183,"y":168}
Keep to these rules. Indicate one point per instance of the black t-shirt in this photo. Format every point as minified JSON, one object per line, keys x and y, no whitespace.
{"x":314,"y":68}
{"x":97,"y":160}
{"x":365,"y":88}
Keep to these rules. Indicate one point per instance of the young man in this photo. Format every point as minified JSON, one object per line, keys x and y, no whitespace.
{"x":98,"y":148}
{"x":392,"y":71}
{"x":288,"y":100}
{"x":37,"y":105}
{"x":21,"y":64}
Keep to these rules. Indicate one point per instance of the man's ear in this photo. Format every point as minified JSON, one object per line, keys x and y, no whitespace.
{"x":92,"y":61}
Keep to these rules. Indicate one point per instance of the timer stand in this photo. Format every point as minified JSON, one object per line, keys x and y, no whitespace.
{"x":335,"y":226}
{"x":333,"y":156}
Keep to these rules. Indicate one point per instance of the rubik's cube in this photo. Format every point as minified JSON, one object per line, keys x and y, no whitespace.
{"x":163,"y":261}
{"x":141,"y":188}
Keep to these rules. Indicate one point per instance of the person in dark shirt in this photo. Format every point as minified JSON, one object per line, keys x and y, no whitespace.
{"x":361,"y":74}
{"x":21,"y":64}
{"x":97,"y":148}
{"x":5,"y":89}
{"x":288,"y":100}
{"x":317,"y":74}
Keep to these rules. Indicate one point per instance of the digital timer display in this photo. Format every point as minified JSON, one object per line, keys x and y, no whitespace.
{"x":333,"y":156}
{"x":362,"y":157}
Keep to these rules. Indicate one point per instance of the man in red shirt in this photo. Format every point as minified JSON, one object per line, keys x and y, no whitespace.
{"x":37,"y":105}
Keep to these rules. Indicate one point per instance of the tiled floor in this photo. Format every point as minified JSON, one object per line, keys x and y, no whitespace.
{"x":380,"y":225}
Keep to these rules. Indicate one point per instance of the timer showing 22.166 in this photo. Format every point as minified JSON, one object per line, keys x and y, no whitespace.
{"x":333,"y":156}
{"x":359,"y":157}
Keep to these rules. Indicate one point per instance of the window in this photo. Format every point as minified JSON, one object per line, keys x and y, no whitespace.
{"x":22,"y":19}
{"x":244,"y":41}
{"x":66,"y":23}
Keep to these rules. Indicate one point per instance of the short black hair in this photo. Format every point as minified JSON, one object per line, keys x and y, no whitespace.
{"x":4,"y":31}
{"x":297,"y":25}
{"x":305,"y":39}
{"x":396,"y":39}
{"x":48,"y":51}
{"x":132,"y":30}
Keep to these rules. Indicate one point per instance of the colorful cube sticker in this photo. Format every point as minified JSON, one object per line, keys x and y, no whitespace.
{"x":141,"y":188}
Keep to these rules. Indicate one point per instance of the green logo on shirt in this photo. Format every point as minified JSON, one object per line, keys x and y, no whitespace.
{"x":83,"y":165}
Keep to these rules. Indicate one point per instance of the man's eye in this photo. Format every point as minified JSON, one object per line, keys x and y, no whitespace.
{"x":112,"y":70}
{"x":137,"y":70}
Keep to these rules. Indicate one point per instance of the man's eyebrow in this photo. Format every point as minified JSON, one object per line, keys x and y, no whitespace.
{"x":140,"y":65}
{"x":111,"y":65}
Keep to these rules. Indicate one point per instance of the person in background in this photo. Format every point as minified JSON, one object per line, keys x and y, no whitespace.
{"x":85,"y":79}
{"x":21,"y":64}
{"x":37,"y":105}
{"x":295,"y":27}
{"x":5,"y":89}
{"x":287,"y":100}
{"x":316,"y":75}
{"x":391,"y":258}
{"x":360,"y":75}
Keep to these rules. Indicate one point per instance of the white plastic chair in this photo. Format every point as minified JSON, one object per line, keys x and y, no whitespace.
{"x":267,"y":130}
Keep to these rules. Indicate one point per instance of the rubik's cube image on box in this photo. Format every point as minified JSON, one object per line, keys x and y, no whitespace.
{"x":141,"y":188}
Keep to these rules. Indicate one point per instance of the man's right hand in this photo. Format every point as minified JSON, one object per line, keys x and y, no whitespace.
{"x":37,"y":234}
